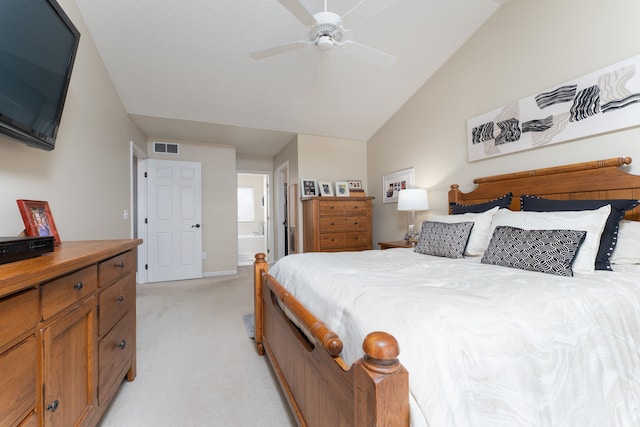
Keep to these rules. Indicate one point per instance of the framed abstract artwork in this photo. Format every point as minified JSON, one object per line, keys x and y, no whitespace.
{"x":603,"y":101}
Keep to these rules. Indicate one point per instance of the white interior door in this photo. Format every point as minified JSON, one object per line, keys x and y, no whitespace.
{"x":174,"y":220}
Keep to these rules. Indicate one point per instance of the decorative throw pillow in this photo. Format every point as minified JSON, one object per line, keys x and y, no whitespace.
{"x":479,"y":238}
{"x":500,"y":202}
{"x":608,"y":239}
{"x":627,"y":250}
{"x":546,"y":251}
{"x":444,"y":240}
{"x":590,"y":221}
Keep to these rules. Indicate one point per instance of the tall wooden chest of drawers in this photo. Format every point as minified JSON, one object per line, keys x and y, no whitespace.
{"x":334,"y":224}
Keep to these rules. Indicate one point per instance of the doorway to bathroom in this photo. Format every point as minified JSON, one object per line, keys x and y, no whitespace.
{"x":254,"y":225}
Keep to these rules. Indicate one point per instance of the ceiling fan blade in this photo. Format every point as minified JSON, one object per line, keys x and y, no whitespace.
{"x":288,"y":47}
{"x":369,"y":54}
{"x":297,"y":9}
{"x":365,"y":10}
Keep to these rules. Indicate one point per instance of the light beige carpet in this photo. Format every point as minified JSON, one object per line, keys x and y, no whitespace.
{"x":196,"y":364}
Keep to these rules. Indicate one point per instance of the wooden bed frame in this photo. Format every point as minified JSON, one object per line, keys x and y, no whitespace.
{"x":320,"y":388}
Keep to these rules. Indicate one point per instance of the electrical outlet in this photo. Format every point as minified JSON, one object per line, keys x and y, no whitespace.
{"x":204,"y":255}
{"x":125,"y":214}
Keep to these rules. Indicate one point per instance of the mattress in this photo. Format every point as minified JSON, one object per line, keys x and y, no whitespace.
{"x":486,"y":345}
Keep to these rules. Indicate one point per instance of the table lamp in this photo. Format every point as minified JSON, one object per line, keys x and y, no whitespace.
{"x":412,"y":200}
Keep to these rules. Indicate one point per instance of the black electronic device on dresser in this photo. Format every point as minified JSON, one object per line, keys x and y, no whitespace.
{"x":19,"y":248}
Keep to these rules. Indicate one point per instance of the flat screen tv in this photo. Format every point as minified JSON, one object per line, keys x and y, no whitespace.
{"x":38,"y":44}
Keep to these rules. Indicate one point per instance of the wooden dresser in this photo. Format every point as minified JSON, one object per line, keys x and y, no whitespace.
{"x":67,"y":333}
{"x":337,"y":224}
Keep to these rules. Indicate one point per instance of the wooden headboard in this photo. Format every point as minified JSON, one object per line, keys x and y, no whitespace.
{"x":601,"y":179}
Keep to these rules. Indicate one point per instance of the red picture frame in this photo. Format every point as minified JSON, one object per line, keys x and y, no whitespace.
{"x":37,"y":219}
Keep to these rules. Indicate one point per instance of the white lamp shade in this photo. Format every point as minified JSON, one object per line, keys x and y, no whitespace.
{"x":413,"y":199}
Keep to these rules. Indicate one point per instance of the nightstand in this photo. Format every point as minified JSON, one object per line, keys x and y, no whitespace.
{"x":395,"y":244}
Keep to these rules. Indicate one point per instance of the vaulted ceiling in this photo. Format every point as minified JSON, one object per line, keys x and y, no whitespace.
{"x":183,"y":70}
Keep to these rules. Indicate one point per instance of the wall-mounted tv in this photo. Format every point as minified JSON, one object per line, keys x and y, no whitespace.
{"x":38,"y":44}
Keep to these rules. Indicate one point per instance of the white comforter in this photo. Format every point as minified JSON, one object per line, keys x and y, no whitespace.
{"x":485,"y":345}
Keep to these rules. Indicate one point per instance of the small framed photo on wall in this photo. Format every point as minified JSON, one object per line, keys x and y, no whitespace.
{"x":393,"y":183}
{"x":309,"y":187}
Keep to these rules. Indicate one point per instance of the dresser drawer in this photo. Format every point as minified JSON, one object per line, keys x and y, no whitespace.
{"x":62,"y":292}
{"x":18,"y":367}
{"x":356,"y":223}
{"x":18,"y":316}
{"x":328,"y":208}
{"x":30,"y":421}
{"x":115,"y":355}
{"x":357,"y":240}
{"x":331,"y":223}
{"x":115,"y":267}
{"x":115,"y":301}
{"x":331,"y":241}
{"x":356,"y":207}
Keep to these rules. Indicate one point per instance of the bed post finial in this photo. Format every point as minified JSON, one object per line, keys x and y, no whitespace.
{"x":380,"y":379}
{"x":381,"y":352}
{"x":454,"y":194}
{"x":260,"y":266}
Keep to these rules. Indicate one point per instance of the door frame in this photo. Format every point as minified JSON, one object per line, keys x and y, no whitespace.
{"x":138,"y":203}
{"x":280,"y":197}
{"x":269,"y":231}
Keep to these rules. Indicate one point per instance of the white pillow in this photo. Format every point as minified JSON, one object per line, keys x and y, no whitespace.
{"x":591,"y":221}
{"x":627,"y":250}
{"x":479,"y":239}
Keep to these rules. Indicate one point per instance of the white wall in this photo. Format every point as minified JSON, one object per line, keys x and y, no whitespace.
{"x":86,"y":179}
{"x":247,"y":163}
{"x":527,"y":46}
{"x":331,"y":159}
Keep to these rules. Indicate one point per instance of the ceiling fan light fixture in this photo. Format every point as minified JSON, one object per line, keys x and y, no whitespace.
{"x":324,"y":43}
{"x":326,"y":31}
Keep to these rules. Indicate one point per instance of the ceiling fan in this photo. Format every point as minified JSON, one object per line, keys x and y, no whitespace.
{"x":327,"y":32}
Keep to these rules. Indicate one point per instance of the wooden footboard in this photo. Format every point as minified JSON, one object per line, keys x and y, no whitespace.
{"x":320,"y":389}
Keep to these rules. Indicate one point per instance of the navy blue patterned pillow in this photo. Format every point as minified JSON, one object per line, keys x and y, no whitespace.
{"x":546,"y":251}
{"x":502,"y":202}
{"x":443,"y":239}
{"x":609,"y":234}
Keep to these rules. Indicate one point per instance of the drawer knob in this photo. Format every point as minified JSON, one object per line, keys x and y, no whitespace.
{"x":53,"y":406}
{"x":120,"y":265}
{"x":333,"y":223}
{"x":78,"y":286}
{"x":120,"y":298}
{"x":122,"y":344}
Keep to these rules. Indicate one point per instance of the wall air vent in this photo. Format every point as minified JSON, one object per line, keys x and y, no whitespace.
{"x":166,"y":148}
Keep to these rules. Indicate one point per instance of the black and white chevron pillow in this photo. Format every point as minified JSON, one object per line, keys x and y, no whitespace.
{"x":444,"y":240}
{"x":546,"y":251}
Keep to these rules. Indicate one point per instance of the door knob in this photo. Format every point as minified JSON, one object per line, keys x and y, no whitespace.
{"x":195,"y":226}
